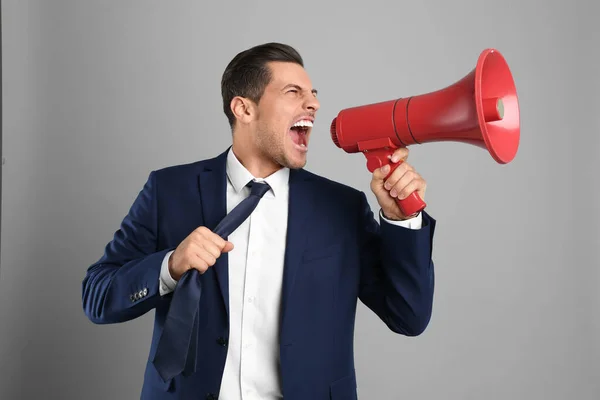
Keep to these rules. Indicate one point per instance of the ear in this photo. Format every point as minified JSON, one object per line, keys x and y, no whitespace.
{"x":243,"y":109}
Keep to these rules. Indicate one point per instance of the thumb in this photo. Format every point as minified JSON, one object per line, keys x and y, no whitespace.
{"x":227,"y":248}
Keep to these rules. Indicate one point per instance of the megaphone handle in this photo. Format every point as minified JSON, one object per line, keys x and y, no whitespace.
{"x":413,"y":203}
{"x":380,"y":157}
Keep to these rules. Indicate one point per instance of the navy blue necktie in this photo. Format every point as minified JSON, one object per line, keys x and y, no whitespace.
{"x":176,"y":350}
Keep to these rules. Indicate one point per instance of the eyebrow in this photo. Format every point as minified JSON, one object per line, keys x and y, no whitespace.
{"x":314,"y":91}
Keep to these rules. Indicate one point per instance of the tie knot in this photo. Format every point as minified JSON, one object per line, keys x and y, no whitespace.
{"x":258,"y":188}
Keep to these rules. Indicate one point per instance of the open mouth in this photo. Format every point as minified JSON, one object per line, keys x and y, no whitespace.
{"x":299,"y":133}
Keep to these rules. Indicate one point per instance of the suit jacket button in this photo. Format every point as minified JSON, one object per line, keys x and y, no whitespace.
{"x":222,"y":341}
{"x":211,"y":396}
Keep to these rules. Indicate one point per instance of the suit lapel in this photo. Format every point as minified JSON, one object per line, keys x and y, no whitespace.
{"x":301,"y":205}
{"x":213,"y":191}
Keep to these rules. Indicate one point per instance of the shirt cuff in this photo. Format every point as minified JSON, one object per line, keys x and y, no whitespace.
{"x":411,"y":223}
{"x":166,"y":282}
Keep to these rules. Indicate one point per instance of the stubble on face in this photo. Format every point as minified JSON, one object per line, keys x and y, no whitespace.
{"x":271,"y":145}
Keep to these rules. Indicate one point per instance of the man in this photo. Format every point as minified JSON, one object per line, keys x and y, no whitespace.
{"x":279,"y":295}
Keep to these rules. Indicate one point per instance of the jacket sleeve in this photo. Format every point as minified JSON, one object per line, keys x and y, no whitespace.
{"x":123,"y":283}
{"x":397,"y":271}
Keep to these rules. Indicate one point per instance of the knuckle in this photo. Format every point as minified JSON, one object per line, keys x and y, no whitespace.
{"x":208,"y":257}
{"x":203,"y":265}
{"x":215,"y":238}
{"x":404,"y":168}
{"x":402,"y":182}
{"x":398,"y":172}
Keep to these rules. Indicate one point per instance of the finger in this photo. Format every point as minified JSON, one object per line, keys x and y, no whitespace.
{"x":202,"y":231}
{"x":395,"y":176}
{"x":200,"y":235}
{"x":399,"y":186}
{"x":228,"y":247}
{"x":399,"y":154}
{"x":380,"y":173}
{"x":208,"y":260}
{"x":189,"y":259}
{"x":217,"y":240}
{"x":200,"y":265}
{"x":191,"y":253}
{"x":211,"y":248}
{"x":413,"y":186}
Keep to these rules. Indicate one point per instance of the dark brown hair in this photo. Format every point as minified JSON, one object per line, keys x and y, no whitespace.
{"x":247,"y":74}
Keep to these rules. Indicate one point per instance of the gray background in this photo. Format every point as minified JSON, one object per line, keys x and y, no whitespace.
{"x":96,"y":94}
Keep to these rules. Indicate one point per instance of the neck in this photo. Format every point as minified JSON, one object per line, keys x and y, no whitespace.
{"x":259,"y":165}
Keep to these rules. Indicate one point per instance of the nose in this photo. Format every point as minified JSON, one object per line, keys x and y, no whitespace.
{"x":312,"y":103}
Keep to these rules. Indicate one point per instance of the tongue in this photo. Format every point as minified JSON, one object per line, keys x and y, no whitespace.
{"x":297,"y":137}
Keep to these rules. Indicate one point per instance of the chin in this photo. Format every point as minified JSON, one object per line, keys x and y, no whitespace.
{"x":298,"y":165}
{"x":293,"y":160}
{"x":295,"y":163}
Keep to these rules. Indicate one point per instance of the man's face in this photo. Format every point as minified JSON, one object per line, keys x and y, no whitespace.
{"x":285,"y":115}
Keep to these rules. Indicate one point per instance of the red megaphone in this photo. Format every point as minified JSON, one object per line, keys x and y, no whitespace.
{"x":481,"y":109}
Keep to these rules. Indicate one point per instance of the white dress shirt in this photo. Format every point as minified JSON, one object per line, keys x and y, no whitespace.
{"x":255,"y":281}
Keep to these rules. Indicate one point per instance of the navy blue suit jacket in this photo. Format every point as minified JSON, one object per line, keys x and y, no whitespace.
{"x":336,"y":254}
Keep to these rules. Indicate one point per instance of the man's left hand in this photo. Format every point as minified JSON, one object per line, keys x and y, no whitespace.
{"x":400,"y":184}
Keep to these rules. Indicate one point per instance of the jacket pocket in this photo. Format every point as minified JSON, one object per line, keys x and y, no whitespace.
{"x":344,"y":388}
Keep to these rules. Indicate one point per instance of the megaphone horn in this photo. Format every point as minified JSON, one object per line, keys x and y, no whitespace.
{"x":481,"y":109}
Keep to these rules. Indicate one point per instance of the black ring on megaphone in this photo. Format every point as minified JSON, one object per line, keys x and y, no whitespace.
{"x":394,"y":121}
{"x":408,"y":122}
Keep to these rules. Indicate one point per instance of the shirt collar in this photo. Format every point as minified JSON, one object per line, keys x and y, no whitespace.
{"x":239,"y":176}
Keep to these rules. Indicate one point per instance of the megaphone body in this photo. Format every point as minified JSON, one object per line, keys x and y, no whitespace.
{"x":481,"y":109}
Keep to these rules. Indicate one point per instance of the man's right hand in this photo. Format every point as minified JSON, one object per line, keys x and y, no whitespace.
{"x":199,"y":250}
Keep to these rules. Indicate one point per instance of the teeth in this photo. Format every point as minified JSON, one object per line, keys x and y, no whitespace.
{"x":303,"y":123}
